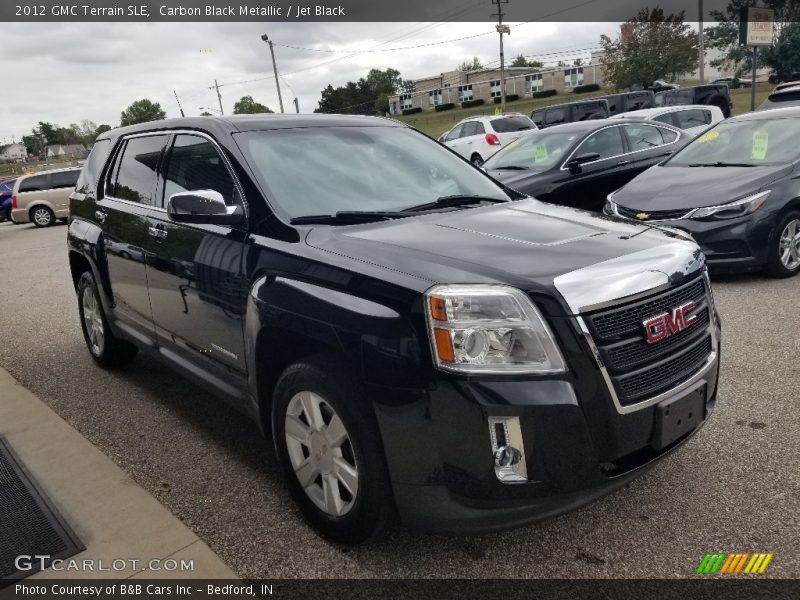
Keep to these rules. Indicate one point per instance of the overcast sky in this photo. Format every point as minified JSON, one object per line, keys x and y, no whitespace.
{"x":66,"y":72}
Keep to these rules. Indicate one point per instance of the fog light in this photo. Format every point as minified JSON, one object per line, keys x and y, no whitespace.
{"x":508,"y":449}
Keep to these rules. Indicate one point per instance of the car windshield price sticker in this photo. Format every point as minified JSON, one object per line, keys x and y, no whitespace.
{"x":708,"y":137}
{"x":539,"y":153}
{"x":760,"y":144}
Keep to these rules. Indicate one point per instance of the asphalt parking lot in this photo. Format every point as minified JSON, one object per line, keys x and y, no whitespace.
{"x":735,"y":486}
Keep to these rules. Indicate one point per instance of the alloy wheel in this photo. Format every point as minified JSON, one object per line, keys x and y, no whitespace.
{"x":789,"y":245}
{"x":41,"y":217}
{"x":93,"y":321}
{"x":321,"y":453}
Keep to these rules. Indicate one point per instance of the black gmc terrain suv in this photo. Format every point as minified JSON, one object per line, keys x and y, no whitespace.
{"x":414,"y":336}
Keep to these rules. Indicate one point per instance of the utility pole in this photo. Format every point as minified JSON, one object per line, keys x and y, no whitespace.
{"x":296,"y":106}
{"x":274,"y":68}
{"x":219,"y":97}
{"x":501,"y":29}
{"x":179,"y":102}
{"x":701,"y":43}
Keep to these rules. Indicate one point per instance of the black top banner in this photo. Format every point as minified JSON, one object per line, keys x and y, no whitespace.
{"x":343,"y":10}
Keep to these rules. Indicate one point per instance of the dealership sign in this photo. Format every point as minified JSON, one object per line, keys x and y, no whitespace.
{"x":756,"y":26}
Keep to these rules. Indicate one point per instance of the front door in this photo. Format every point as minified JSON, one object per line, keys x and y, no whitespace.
{"x":122,"y":213}
{"x":195,"y":274}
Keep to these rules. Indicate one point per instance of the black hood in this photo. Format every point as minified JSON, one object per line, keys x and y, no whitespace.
{"x":526,"y":243}
{"x":520,"y":179}
{"x":672,"y":188}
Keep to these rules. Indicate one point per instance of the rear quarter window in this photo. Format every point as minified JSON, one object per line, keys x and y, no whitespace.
{"x":36,"y":183}
{"x":65,"y":179}
{"x":90,"y":174}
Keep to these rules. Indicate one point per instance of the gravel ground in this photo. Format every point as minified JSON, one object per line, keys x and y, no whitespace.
{"x":735,"y":486}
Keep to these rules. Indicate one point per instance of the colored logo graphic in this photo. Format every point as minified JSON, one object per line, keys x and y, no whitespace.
{"x":734,"y":563}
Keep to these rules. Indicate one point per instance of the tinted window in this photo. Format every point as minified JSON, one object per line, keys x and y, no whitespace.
{"x":606,"y":142}
{"x":537,"y":117}
{"x":479,"y":128}
{"x":584,"y":112}
{"x":470,"y":128}
{"x":36,"y":183}
{"x":136,"y":175}
{"x":87,"y":181}
{"x":555,"y":116}
{"x":65,"y":179}
{"x":642,"y":137}
{"x":694,"y":117}
{"x":669,"y":135}
{"x":665,"y":118}
{"x":195,"y":164}
{"x":511,"y":124}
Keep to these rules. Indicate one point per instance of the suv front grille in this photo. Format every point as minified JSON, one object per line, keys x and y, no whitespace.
{"x":654,"y":215}
{"x":638,"y":369}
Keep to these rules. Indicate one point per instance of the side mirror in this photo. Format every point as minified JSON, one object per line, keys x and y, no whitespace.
{"x":202,"y":206}
{"x":574,"y":164}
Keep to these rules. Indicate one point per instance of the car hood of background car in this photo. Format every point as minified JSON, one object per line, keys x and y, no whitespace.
{"x":526,"y":244}
{"x":668,"y":188}
{"x":519,"y":179}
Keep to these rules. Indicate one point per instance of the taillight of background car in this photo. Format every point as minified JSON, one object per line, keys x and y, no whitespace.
{"x":492,"y":139}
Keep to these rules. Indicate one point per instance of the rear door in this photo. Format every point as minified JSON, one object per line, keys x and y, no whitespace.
{"x":648,"y":145}
{"x":63,"y":182}
{"x":195,"y":280}
{"x":130,"y":187}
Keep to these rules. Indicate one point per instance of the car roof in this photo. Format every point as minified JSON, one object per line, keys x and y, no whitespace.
{"x":264,"y":121}
{"x":585,"y":126}
{"x":49,"y":171}
{"x":789,"y":89}
{"x":786,"y":112}
{"x":490,"y":117}
{"x":645,"y":113}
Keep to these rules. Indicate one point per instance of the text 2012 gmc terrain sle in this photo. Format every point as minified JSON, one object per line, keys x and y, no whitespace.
{"x":414,"y":336}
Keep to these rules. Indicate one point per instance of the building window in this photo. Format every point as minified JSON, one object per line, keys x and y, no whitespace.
{"x":464,"y":93}
{"x":495,"y":88}
{"x":405,"y":101}
{"x":435,"y":97}
{"x":534,"y":83}
{"x":573,"y":77}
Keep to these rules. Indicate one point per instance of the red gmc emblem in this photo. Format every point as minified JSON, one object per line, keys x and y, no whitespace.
{"x":664,"y":325}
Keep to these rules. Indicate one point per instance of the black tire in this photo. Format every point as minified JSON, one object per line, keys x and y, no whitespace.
{"x":476,"y":160}
{"x":112,"y":352}
{"x":42,"y":216}
{"x":370,"y":508}
{"x":775,"y":266}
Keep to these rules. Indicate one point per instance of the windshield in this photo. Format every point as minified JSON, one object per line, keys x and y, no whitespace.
{"x":537,"y":150}
{"x":325,"y":170}
{"x":749,"y":143}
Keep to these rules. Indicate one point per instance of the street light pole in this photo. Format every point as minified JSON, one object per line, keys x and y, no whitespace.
{"x":701,"y":43}
{"x":501,"y":29}
{"x":274,"y":68}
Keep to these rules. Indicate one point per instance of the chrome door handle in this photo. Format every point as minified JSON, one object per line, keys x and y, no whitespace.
{"x":622,"y":163}
{"x":159,"y":233}
{"x":101,"y":216}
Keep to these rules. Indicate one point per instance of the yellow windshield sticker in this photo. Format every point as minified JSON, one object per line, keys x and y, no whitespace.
{"x":708,"y":137}
{"x":760,"y":145}
{"x":539,"y":153}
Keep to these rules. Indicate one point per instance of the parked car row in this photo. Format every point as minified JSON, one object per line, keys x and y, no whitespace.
{"x":40,"y":198}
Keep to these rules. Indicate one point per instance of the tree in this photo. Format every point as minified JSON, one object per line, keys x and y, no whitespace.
{"x":475,"y":65}
{"x":48,"y":131}
{"x":101,"y":129}
{"x":650,"y":46}
{"x":521,"y":61}
{"x":368,"y":95}
{"x":141,"y":111}
{"x":205,"y":113}
{"x":247,"y":106}
{"x":784,"y":55}
{"x":34,"y":143}
{"x":725,"y":36}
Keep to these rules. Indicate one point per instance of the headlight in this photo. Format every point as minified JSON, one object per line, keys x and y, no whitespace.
{"x":731,"y":210}
{"x":610,"y":208}
{"x":489,"y":329}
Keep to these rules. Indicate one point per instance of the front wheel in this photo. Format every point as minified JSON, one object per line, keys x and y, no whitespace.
{"x":106,"y":349}
{"x":329,"y":449}
{"x":784,"y":252}
{"x":42,"y":216}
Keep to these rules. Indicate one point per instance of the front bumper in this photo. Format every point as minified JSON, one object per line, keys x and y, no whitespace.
{"x":578,"y":448}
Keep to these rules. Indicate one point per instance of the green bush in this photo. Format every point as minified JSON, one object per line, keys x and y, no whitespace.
{"x":411,"y":111}
{"x":544,"y":94}
{"x":445,"y":106}
{"x":509,"y":98}
{"x":471,"y":103}
{"x":583,"y":89}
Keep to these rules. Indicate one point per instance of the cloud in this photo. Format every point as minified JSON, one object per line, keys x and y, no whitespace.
{"x":66,"y":72}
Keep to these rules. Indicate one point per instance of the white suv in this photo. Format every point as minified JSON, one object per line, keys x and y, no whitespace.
{"x":478,"y":138}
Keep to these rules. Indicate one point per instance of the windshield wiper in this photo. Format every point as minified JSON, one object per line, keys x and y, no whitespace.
{"x":513,"y":167}
{"x":454,"y":200}
{"x":721,"y":164}
{"x":347,"y":217}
